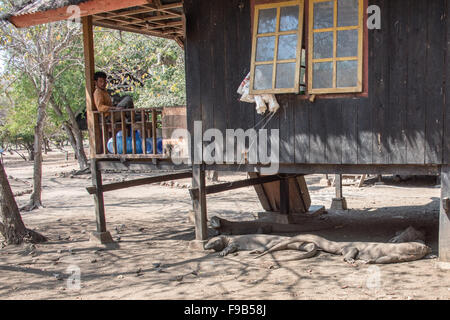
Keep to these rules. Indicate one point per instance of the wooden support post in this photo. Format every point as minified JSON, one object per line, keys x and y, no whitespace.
{"x":101,"y":235}
{"x":444,"y":220}
{"x":284,"y":195}
{"x":133,"y":131}
{"x":339,"y":202}
{"x":199,"y":204}
{"x":338,"y":185}
{"x":154,"y":124}
{"x":89,"y":68}
{"x":104,"y":134}
{"x":124,"y":132}
{"x":143,"y":132}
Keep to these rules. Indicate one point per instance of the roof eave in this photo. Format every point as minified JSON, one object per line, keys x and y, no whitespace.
{"x":86,"y":9}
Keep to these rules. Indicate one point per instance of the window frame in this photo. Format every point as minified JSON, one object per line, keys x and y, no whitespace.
{"x":360,"y":51}
{"x":277,"y":34}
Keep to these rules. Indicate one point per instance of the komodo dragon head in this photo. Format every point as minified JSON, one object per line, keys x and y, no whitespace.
{"x":216,"y":243}
{"x":215,"y":222}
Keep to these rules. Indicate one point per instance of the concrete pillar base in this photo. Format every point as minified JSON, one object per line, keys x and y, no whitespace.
{"x":338,"y":204}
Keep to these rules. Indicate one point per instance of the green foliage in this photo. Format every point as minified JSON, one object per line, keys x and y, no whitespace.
{"x":18,"y":126}
{"x":150,"y":69}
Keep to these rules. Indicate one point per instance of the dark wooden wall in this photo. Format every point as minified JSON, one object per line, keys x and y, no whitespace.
{"x":405,"y":119}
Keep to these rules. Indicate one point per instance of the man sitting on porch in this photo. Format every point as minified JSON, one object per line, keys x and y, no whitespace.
{"x":102,"y":99}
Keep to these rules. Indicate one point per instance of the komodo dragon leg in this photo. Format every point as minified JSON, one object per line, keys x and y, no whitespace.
{"x":229,"y":249}
{"x":350,"y":254}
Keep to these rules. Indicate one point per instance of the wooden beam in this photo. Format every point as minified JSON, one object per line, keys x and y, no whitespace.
{"x":199,"y":203}
{"x":142,"y":165}
{"x":98,"y":197}
{"x":140,"y":182}
{"x":284,"y":194}
{"x":154,"y":132}
{"x":409,"y":169}
{"x":444,"y":216}
{"x":86,"y":9}
{"x":89,"y":70}
{"x":338,"y":185}
{"x":216,"y":188}
{"x":142,"y":30}
{"x":110,"y":15}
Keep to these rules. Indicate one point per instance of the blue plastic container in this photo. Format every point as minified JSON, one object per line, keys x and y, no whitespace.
{"x":148,"y":144}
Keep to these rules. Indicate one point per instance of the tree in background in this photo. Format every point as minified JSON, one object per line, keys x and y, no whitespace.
{"x":44,"y":67}
{"x":36,"y":53}
{"x":150,"y":69}
{"x":68,"y":101}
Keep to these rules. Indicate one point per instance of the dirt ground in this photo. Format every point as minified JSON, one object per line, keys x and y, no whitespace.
{"x":153,"y":261}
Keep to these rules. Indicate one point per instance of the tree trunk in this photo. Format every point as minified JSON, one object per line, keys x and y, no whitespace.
{"x":74,"y":134}
{"x":12,"y":227}
{"x":30,"y":150}
{"x":35,"y":198}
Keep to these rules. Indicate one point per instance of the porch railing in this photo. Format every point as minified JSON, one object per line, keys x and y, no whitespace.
{"x":131,"y":133}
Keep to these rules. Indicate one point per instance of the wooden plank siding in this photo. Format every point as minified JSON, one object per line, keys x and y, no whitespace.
{"x":404,"y":119}
{"x":446,"y":135}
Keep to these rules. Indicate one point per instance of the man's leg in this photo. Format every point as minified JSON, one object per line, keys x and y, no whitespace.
{"x":126,"y":103}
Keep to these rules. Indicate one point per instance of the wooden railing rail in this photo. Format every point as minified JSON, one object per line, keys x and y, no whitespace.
{"x":129,"y":121}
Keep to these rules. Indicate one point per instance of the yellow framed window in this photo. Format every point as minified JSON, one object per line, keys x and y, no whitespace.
{"x":335,"y":46}
{"x":277,"y":47}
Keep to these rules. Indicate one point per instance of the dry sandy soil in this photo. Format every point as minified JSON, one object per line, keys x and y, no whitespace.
{"x":153,"y":262}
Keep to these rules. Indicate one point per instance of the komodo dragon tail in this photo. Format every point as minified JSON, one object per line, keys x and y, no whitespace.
{"x":310,"y":248}
{"x":306,"y":238}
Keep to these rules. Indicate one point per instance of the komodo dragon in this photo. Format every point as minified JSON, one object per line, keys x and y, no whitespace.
{"x":369,"y":252}
{"x":223,"y":226}
{"x":257,"y":243}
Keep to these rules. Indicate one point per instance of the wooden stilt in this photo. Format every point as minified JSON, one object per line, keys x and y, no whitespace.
{"x":338,"y":203}
{"x":444,"y":220}
{"x":199,"y":203}
{"x":89,"y":69}
{"x":284,"y":195}
{"x":102,"y":235}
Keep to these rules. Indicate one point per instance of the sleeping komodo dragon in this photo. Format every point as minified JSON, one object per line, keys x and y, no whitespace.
{"x":369,"y":252}
{"x":257,"y":243}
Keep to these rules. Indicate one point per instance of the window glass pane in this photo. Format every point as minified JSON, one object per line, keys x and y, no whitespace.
{"x":323,"y":14}
{"x":347,"y":43}
{"x":263,"y":77}
{"x":267,"y":20}
{"x":347,"y":13}
{"x":289,"y":18}
{"x":285,"y":75}
{"x":322,"y":75}
{"x":287,"y":47}
{"x":265,"y":47}
{"x":347,"y":73}
{"x":323,"y":45}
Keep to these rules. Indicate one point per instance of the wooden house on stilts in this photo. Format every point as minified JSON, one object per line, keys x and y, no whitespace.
{"x":361,"y":84}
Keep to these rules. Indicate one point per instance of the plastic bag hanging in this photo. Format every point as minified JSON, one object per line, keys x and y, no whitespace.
{"x":260,"y":100}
